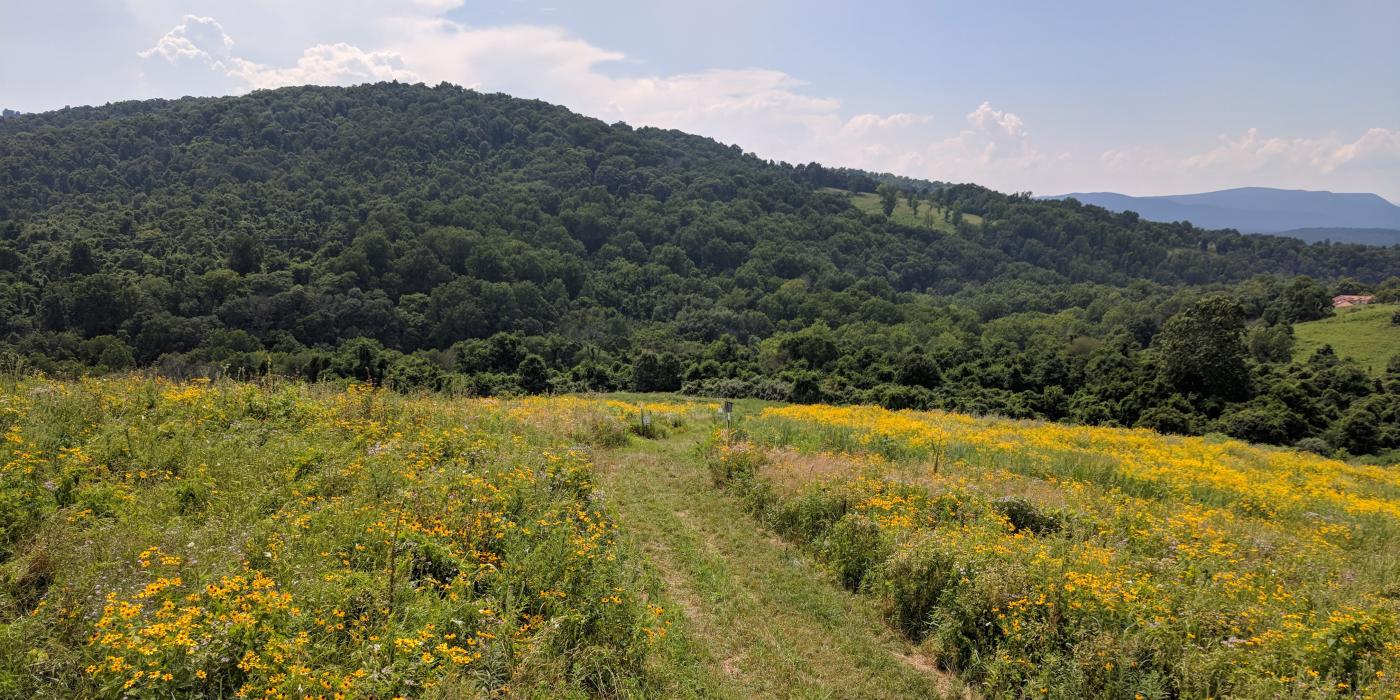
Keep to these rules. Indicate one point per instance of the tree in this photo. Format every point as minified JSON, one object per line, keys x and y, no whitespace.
{"x":534,"y":375}
{"x":244,"y":253}
{"x":1271,"y":343}
{"x":1302,"y":300}
{"x":912,"y":196}
{"x":1358,"y":430}
{"x":1349,"y":285}
{"x":1202,"y":349}
{"x":107,"y":353}
{"x":918,"y":369}
{"x":653,"y":372}
{"x":889,"y":197}
{"x":1265,"y":419}
{"x":458,"y":233}
{"x":806,"y":388}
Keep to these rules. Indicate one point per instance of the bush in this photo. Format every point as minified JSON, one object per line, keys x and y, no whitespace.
{"x":854,"y":547}
{"x":897,"y":397}
{"x":1025,"y":516}
{"x":734,"y":462}
{"x":1268,"y":422}
{"x":911,"y":583}
{"x":653,"y":372}
{"x":807,"y":517}
{"x":1314,"y":445}
{"x":1165,"y":419}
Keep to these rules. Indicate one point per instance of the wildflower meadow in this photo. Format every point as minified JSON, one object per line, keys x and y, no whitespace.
{"x":164,"y":539}
{"x":1045,"y":560}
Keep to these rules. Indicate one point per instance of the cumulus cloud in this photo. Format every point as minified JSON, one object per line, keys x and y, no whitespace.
{"x":326,"y":64}
{"x":194,"y":39}
{"x":1376,"y":147}
{"x":994,"y":137}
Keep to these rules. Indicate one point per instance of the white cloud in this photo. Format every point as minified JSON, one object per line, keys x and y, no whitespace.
{"x":996,"y":137}
{"x":1327,"y":161}
{"x":325,"y":64}
{"x":194,"y":39}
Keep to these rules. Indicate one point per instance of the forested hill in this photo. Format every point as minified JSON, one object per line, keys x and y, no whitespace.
{"x":438,"y":236}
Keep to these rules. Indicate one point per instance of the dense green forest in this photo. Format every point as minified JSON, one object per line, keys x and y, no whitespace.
{"x":436,"y":237}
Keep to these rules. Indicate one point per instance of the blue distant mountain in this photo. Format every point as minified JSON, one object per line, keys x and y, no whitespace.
{"x":1310,"y":215}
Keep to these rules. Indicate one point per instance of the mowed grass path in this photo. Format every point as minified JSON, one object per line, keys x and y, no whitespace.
{"x":1364,"y":334}
{"x":760,"y":619}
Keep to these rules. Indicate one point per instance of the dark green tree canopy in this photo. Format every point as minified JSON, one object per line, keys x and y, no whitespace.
{"x":436,"y":237}
{"x":1202,"y":349}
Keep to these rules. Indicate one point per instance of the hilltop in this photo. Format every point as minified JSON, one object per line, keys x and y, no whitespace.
{"x":440,"y":238}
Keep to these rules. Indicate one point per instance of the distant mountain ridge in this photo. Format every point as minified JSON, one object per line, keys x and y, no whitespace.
{"x":1298,"y":213}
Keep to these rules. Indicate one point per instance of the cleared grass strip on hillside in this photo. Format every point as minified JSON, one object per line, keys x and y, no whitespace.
{"x":1364,"y":334}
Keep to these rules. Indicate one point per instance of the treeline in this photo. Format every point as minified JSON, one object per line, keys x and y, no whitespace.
{"x":438,"y":237}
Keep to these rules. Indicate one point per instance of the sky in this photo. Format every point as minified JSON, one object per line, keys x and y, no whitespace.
{"x":1134,"y":97}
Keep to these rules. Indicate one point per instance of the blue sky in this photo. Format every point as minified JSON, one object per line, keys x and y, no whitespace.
{"x":1137,"y":97}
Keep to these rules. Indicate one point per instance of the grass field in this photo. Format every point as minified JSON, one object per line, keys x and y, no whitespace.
{"x":1042,"y":560}
{"x":869,"y":203}
{"x":164,"y":540}
{"x":1363,"y":333}
{"x":170,"y":540}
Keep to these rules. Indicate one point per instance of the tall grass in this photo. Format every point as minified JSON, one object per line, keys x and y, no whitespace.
{"x":164,"y":539}
{"x":1052,"y":561}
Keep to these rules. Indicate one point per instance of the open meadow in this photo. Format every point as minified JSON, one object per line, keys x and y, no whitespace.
{"x":1046,"y":560}
{"x":195,"y":539}
{"x":1364,"y":333}
{"x":283,"y":540}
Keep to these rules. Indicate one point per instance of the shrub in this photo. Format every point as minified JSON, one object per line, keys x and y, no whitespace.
{"x":1265,"y":421}
{"x":807,"y":517}
{"x":739,"y":462}
{"x":1165,"y":419}
{"x":897,"y":397}
{"x":854,"y":547}
{"x":1024,"y":516}
{"x":911,"y":583}
{"x":1314,"y":445}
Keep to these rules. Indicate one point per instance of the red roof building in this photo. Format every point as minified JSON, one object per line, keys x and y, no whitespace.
{"x":1344,"y":301}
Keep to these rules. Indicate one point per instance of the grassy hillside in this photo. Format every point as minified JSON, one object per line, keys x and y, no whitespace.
{"x":1363,"y":333}
{"x":165,"y":539}
{"x":869,"y":202}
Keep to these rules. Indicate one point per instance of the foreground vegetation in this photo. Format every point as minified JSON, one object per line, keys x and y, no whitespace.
{"x":173,"y":539}
{"x":1051,"y":561}
{"x":217,"y":540}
